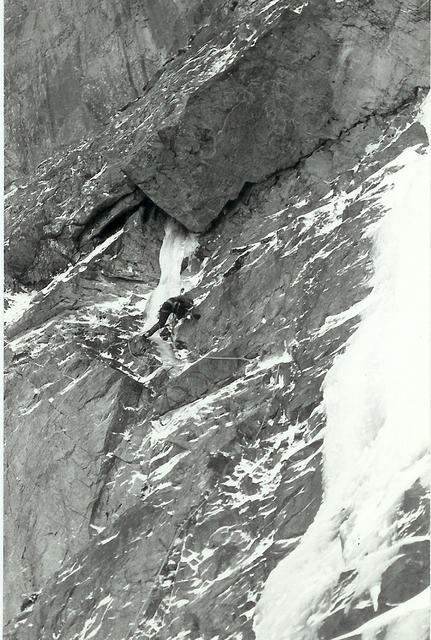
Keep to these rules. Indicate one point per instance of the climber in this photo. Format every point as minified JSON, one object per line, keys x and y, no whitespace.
{"x":179,"y":306}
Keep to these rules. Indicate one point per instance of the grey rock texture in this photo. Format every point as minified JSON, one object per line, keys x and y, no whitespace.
{"x":149,"y":496}
{"x":71,"y":66}
{"x":260,"y":94}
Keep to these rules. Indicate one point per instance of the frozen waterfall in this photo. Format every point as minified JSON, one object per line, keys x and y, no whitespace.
{"x":177,"y":244}
{"x":377,"y":441}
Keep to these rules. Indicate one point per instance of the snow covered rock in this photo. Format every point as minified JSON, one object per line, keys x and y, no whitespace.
{"x":262,"y":474}
{"x":258,"y":95}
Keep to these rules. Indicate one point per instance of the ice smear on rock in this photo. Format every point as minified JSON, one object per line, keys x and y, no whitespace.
{"x":177,"y":244}
{"x":376,"y":445}
{"x":399,"y":621}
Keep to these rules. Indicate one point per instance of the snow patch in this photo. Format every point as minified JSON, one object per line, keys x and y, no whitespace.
{"x":106,"y":540}
{"x":18,"y":305}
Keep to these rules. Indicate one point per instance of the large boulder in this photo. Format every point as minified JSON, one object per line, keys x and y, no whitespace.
{"x":257,"y":96}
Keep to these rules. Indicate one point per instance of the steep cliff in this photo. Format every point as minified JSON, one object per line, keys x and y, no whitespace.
{"x":71,"y":66}
{"x":262,"y":473}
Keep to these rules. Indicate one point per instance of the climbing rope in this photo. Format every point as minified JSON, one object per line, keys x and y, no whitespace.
{"x":225,"y":358}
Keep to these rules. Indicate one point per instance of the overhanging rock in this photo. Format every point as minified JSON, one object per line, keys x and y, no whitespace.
{"x":254,"y":99}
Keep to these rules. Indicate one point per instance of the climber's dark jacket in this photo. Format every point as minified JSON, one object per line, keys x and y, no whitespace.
{"x":179,"y":306}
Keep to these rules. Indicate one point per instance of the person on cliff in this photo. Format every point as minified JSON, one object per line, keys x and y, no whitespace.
{"x":178,"y":306}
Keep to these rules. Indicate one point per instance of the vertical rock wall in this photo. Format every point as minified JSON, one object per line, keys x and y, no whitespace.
{"x":150,"y":496}
{"x":71,"y":66}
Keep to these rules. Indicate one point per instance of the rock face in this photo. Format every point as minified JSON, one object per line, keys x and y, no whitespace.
{"x":255,"y":98}
{"x":154,"y":488}
{"x":71,"y":66}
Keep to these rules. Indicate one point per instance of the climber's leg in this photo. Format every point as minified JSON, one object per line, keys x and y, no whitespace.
{"x":163,"y":318}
